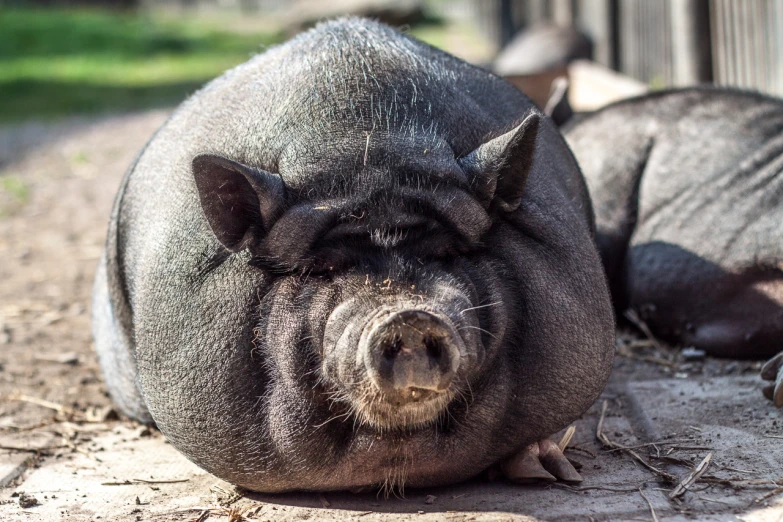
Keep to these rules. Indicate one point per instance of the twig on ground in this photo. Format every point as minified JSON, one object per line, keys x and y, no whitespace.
{"x":172,"y":481}
{"x":230,"y":496}
{"x":737,"y":483}
{"x":603,"y":439}
{"x":582,"y":450}
{"x":42,"y":450}
{"x":652,"y":510}
{"x":93,"y":415}
{"x":726,"y":468}
{"x":142,"y":481}
{"x":692,"y":477}
{"x":62,"y":358}
{"x":765,"y":496}
{"x":202,"y":516}
{"x":707,"y":499}
{"x":578,"y":489}
{"x":17,"y":429}
{"x":639,"y":343}
{"x":658,"y":443}
{"x":563,"y":444}
{"x":673,"y":460}
{"x":41,"y":402}
{"x":632,"y":316}
{"x":623,"y":352}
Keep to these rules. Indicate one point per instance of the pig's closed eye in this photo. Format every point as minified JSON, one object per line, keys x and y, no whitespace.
{"x":343,"y":247}
{"x":390,"y":236}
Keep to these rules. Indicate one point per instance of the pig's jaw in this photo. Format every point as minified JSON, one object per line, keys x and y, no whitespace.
{"x":373,"y":408}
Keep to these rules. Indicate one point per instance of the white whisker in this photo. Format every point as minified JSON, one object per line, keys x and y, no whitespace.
{"x":480,"y":306}
{"x":480,"y":329}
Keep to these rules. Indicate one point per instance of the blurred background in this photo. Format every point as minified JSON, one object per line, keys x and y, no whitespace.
{"x":61,"y":57}
{"x":66,"y":57}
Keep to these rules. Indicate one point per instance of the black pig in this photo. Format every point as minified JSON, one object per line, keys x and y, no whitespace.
{"x":687,"y":187}
{"x":353,"y":261}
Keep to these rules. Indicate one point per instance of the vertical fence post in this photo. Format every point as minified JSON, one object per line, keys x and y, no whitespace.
{"x":692,"y":54}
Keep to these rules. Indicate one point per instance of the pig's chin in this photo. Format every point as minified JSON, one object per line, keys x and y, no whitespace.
{"x":383,"y":411}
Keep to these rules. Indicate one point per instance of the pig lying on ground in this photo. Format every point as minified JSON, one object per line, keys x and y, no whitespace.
{"x":355,"y":260}
{"x":687,"y":187}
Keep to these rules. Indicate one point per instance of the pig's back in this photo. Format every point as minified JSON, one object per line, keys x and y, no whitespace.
{"x":701,"y":168}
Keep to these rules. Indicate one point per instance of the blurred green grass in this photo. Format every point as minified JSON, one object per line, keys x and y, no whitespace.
{"x":56,"y":62}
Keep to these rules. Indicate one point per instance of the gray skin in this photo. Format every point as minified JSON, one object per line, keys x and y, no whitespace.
{"x":687,"y":187}
{"x":354,"y":260}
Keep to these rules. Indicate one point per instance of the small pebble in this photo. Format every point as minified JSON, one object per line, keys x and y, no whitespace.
{"x":27,"y":501}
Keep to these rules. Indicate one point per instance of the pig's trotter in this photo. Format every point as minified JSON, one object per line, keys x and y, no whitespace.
{"x":541,"y":461}
{"x":526,"y":466}
{"x":556,"y":463}
{"x":773,"y":371}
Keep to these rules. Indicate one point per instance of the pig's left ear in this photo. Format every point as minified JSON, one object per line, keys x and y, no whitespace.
{"x":239,"y":202}
{"x":498,"y":169}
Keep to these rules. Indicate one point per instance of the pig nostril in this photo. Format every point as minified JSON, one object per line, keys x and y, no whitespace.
{"x":433,"y":347}
{"x":393,"y":348}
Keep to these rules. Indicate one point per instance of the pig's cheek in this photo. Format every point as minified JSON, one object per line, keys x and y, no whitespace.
{"x":338,"y":365}
{"x":288,"y":417}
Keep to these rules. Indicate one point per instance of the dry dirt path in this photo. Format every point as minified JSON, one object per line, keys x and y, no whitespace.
{"x":58,"y":182}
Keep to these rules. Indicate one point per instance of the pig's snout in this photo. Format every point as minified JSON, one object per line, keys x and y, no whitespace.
{"x":411,"y":355}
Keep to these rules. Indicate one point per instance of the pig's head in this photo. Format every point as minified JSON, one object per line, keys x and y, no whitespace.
{"x":405,"y":320}
{"x":409,"y":328}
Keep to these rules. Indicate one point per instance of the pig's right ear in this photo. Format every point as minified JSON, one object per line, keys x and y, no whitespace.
{"x":499,"y":168}
{"x":239,"y":202}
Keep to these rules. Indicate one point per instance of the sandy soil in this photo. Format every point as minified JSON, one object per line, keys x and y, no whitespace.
{"x":51,"y":235}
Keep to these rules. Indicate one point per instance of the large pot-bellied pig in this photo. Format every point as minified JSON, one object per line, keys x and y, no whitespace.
{"x":355,"y":260}
{"x":687,"y":187}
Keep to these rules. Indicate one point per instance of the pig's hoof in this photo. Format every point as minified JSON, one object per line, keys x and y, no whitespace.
{"x":773,"y":371}
{"x":541,"y":461}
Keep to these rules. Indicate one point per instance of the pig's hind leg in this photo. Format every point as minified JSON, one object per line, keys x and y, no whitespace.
{"x":727,"y":312}
{"x":723,"y":309}
{"x":540,"y":461}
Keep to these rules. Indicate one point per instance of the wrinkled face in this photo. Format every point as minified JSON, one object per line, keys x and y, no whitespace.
{"x":403,"y":337}
{"x":394,"y":329}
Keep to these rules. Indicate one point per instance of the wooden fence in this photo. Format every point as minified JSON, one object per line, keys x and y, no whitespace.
{"x":664,"y":42}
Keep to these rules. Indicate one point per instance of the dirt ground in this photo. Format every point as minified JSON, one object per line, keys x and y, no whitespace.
{"x":65,"y":455}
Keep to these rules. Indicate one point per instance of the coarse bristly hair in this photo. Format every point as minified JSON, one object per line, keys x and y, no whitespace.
{"x":350,"y":173}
